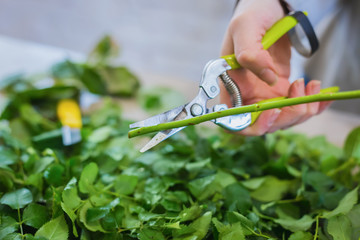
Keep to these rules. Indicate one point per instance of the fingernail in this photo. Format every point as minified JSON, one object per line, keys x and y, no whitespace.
{"x":274,"y":116}
{"x":316,"y":87}
{"x":269,"y":76}
{"x":300,"y":81}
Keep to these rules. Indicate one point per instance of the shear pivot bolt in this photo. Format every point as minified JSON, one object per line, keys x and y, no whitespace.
{"x":196,"y":110}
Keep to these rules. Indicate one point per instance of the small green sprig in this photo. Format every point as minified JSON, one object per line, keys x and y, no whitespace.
{"x":256,"y":107}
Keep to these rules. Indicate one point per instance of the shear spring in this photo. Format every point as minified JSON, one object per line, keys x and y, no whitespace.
{"x":232,"y":88}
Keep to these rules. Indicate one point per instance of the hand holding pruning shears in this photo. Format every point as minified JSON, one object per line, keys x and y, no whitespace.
{"x":260,"y":72}
{"x":265,"y":73}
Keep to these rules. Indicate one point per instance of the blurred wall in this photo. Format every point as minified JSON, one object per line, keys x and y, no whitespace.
{"x":159,"y":36}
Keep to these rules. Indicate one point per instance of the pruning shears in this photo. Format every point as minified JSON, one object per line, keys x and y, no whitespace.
{"x":217,"y":69}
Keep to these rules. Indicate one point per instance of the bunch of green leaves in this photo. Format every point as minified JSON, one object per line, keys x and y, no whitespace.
{"x":200,"y":184}
{"x":216,"y":186}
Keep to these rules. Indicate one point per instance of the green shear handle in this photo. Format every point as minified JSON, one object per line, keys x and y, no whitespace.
{"x":271,"y":36}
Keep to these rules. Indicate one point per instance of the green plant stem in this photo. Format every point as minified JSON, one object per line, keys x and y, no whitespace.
{"x":20,"y":223}
{"x":277,"y":103}
{"x":342,"y":167}
{"x":317,"y":228}
{"x":257,"y":234}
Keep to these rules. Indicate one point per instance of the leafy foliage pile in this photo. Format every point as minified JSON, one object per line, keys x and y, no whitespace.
{"x":200,"y":184}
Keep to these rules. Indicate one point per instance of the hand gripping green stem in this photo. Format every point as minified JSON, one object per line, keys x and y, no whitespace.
{"x":255,"y":115}
{"x":271,"y":36}
{"x":280,"y":28}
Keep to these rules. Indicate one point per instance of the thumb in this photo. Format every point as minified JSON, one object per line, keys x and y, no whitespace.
{"x":247,"y":30}
{"x":250,"y":53}
{"x":259,"y":62}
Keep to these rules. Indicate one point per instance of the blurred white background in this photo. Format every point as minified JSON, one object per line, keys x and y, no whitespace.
{"x":174,"y":38}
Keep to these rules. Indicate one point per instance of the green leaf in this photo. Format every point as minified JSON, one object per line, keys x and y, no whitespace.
{"x":42,"y":163}
{"x":354,"y":217}
{"x":125,"y":184}
{"x":113,"y":220}
{"x":196,"y":166}
{"x":18,"y":198}
{"x":105,"y":50}
{"x":56,"y":229}
{"x":54,"y":174}
{"x":70,"y":195}
{"x":205,"y":187}
{"x":339,"y":227}
{"x":352,"y":144}
{"x":48,"y":139}
{"x":6,"y":180}
{"x":345,"y":205}
{"x":13,"y":236}
{"x":253,"y":183}
{"x":301,"y":236}
{"x":269,"y":188}
{"x":247,"y":224}
{"x":229,"y":232}
{"x":190,"y":213}
{"x":100,"y":134}
{"x":96,"y":213}
{"x":163,"y":166}
{"x":150,"y":234}
{"x":81,"y":75}
{"x":35,"y":180}
{"x":295,"y":225}
{"x":31,"y":237}
{"x":7,"y":157}
{"x":196,"y":230}
{"x":93,"y":81}
{"x":31,"y":116}
{"x":92,"y":226}
{"x":65,"y":70}
{"x":87,"y":178}
{"x":174,"y":225}
{"x":119,"y":81}
{"x":8,"y":225}
{"x":237,"y":198}
{"x":155,"y":185}
{"x":71,"y":201}
{"x":201,"y":188}
{"x":146,"y":216}
{"x":71,"y":213}
{"x":35,"y":215}
{"x":171,"y":206}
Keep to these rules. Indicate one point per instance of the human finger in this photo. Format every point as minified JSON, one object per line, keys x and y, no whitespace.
{"x":244,"y":36}
{"x":291,"y":114}
{"x":262,"y":124}
{"x":313,"y":87}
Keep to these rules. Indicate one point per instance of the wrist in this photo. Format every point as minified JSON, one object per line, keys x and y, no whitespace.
{"x":284,"y":4}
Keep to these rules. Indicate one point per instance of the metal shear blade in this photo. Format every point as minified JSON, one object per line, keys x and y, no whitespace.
{"x":178,"y":113}
{"x":159,"y":137}
{"x":160,"y":118}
